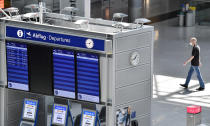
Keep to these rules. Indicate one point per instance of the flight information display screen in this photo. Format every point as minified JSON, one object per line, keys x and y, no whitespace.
{"x":88,"y":77}
{"x":17,"y":66}
{"x":64,"y":73}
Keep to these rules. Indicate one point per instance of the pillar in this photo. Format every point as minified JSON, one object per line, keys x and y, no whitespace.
{"x":134,"y":9}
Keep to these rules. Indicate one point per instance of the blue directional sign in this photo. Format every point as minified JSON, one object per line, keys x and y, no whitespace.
{"x":54,"y":38}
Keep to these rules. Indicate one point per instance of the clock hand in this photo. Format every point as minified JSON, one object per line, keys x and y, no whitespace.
{"x":134,"y":58}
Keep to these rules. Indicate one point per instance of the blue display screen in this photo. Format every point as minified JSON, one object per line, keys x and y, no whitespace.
{"x":17,"y":66}
{"x":88,"y":77}
{"x":63,"y":108}
{"x":30,"y":102}
{"x":89,"y":113}
{"x":64,"y":73}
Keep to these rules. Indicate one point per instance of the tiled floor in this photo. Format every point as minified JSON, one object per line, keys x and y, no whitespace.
{"x":170,"y":52}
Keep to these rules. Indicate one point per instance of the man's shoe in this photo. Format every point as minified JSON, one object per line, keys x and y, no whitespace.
{"x":183,"y":85}
{"x":200,"y":89}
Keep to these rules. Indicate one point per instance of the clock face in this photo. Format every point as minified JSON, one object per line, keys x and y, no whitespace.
{"x":89,"y":43}
{"x":135,"y":58}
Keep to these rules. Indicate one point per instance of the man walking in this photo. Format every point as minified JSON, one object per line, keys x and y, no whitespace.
{"x":195,"y":63}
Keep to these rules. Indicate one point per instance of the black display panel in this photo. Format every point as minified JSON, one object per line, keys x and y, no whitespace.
{"x":88,"y":77}
{"x":17,"y":66}
{"x":40,"y":69}
{"x":64,"y":73}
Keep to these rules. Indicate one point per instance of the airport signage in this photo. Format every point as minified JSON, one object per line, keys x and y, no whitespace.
{"x":55,"y":38}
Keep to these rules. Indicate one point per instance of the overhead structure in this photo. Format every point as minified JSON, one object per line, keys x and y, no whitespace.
{"x":78,"y":69}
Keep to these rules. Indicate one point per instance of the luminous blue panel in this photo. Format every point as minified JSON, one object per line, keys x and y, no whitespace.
{"x":64,"y":73}
{"x":53,"y":38}
{"x":88,"y":77}
{"x":17,"y":66}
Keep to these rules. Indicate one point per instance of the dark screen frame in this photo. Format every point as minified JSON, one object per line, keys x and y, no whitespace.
{"x":29,"y":68}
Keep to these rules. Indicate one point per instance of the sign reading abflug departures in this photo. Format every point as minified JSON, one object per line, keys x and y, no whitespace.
{"x":55,"y":38}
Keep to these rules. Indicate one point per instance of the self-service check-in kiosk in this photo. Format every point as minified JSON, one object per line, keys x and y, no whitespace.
{"x":60,"y":115}
{"x":102,"y":68}
{"x":29,"y":114}
{"x":90,"y":118}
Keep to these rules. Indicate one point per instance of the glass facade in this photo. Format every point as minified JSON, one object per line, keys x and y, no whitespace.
{"x":105,"y":8}
{"x":134,"y":8}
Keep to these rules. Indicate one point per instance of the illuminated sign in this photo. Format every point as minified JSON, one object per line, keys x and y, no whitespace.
{"x":1,"y":3}
{"x":54,"y":38}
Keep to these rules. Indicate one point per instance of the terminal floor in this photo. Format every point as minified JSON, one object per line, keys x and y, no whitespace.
{"x":170,"y":51}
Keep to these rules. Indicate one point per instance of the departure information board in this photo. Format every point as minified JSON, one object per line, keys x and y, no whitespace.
{"x":88,"y":78}
{"x":64,"y":73}
{"x":17,"y":66}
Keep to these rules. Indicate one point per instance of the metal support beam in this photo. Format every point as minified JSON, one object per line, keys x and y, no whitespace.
{"x":87,"y":7}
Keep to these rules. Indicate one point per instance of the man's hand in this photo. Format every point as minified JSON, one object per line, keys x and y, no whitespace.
{"x":185,"y":63}
{"x":189,"y":60}
{"x":200,"y":64}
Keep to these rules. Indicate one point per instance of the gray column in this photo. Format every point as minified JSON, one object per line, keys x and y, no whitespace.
{"x":2,"y":106}
{"x":134,"y":9}
{"x":87,"y":8}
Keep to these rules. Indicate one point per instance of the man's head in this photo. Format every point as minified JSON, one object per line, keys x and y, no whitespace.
{"x":193,"y":41}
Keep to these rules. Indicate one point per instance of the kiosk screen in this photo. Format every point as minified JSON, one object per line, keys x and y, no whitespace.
{"x":59,"y":114}
{"x":88,"y":118}
{"x":30,"y":109}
